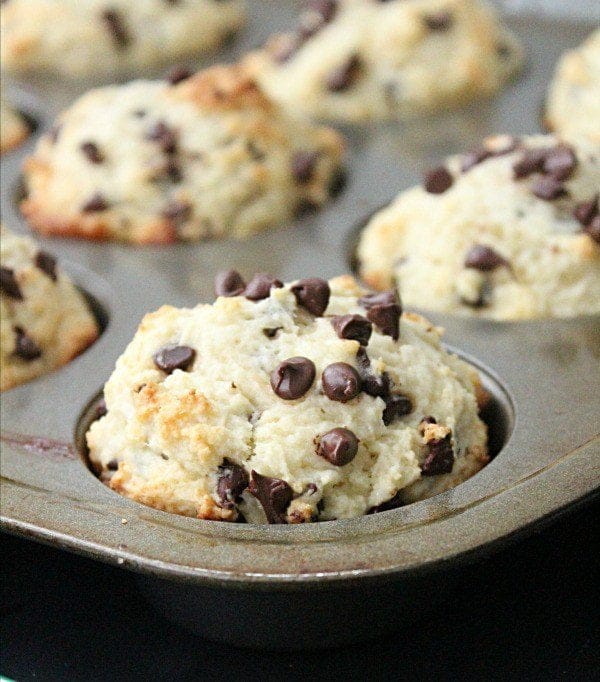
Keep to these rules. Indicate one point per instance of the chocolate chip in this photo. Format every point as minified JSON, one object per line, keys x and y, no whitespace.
{"x":312,"y":294}
{"x":560,"y":162}
{"x":259,"y":287}
{"x":341,"y":382}
{"x":338,"y":446}
{"x":440,"y":457}
{"x":173,"y":172}
{"x":232,"y":481}
{"x":353,"y":327}
{"x":178,"y":74}
{"x":113,"y":465}
{"x":437,"y":180}
{"x":292,"y":378}
{"x":587,"y":211}
{"x":303,"y":166}
{"x":46,"y":263}
{"x":440,"y":21}
{"x":95,"y":204}
{"x":165,"y":136}
{"x":593,"y":229}
{"x":114,"y":23}
{"x":376,"y":385}
{"x":9,"y":285}
{"x":271,"y":332}
{"x":384,"y":311}
{"x":393,"y":503}
{"x":177,"y":212}
{"x":548,"y":188}
{"x":25,"y":347}
{"x":100,"y":409}
{"x":92,"y":152}
{"x":396,"y":406}
{"x":343,"y":77}
{"x":504,"y":51}
{"x":337,"y":182}
{"x":532,"y":161}
{"x":484,"y":258}
{"x":229,"y":283}
{"x":171,"y":357}
{"x":274,"y":495}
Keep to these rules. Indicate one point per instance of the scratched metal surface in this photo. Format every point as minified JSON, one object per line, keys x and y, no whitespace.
{"x":544,"y":375}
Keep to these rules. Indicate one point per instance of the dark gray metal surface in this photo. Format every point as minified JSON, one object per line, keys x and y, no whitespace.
{"x":544,"y":375}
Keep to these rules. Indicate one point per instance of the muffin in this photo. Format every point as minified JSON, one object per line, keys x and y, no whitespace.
{"x":357,"y":60}
{"x":157,"y":162}
{"x":509,"y":231}
{"x":13,"y":127}
{"x":44,"y":320}
{"x":573,"y":106}
{"x":289,"y":403}
{"x":110,"y":37}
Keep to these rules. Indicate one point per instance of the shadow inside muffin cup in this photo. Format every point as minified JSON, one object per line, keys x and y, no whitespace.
{"x":498,"y":415}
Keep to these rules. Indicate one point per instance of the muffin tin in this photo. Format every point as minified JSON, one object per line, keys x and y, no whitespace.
{"x":325,"y":583}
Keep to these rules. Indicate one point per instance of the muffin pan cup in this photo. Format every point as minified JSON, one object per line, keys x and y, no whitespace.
{"x":357,"y":577}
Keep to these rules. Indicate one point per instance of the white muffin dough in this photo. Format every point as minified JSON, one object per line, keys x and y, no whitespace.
{"x":44,"y":319}
{"x":166,"y":433}
{"x":356,"y":60}
{"x":573,"y":105}
{"x":13,"y":128}
{"x":502,"y":234}
{"x":152,"y":162}
{"x":82,"y":39}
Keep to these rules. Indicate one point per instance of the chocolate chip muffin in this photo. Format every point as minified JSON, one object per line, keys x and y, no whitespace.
{"x":573,"y":106}
{"x":13,"y":128}
{"x":356,"y":60}
{"x":152,"y":162}
{"x":107,"y":37}
{"x":287,"y":403}
{"x":508,"y":231}
{"x":44,"y":319}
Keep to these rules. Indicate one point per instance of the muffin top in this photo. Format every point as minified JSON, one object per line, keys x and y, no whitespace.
{"x":287,"y":403}
{"x":508,"y":231}
{"x":356,"y":60}
{"x":156,"y":161}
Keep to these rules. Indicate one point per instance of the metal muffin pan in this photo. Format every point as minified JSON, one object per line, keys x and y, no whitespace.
{"x":352,"y":578}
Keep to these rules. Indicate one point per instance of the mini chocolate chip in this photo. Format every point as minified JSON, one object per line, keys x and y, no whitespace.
{"x":165,"y":136}
{"x":100,"y":409}
{"x":341,"y":382}
{"x":484,"y":258}
{"x":474,"y":158}
{"x":255,"y":153}
{"x":95,"y":204}
{"x":233,"y":480}
{"x":292,"y":378}
{"x":178,"y":74}
{"x":303,"y":166}
{"x":376,"y":385}
{"x":396,"y":406}
{"x":503,"y":51}
{"x":532,"y":161}
{"x":46,"y":263}
{"x":92,"y":152}
{"x":177,"y":212}
{"x":437,"y":180}
{"x":548,"y":188}
{"x":114,"y":23}
{"x":440,"y":457}
{"x":173,"y":172}
{"x":593,"y":229}
{"x":259,"y":287}
{"x":337,"y":182}
{"x":271,"y":332}
{"x":9,"y":285}
{"x":274,"y":495}
{"x":172,"y":357}
{"x":338,"y":446}
{"x":560,"y":162}
{"x":426,"y":420}
{"x":440,"y":21}
{"x":25,"y":347}
{"x":313,"y":294}
{"x":587,"y":211}
{"x":139,"y":113}
{"x":353,"y":327}
{"x":343,"y":77}
{"x":393,"y":503}
{"x":384,"y":310}
{"x":229,"y":283}
{"x":113,"y":465}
